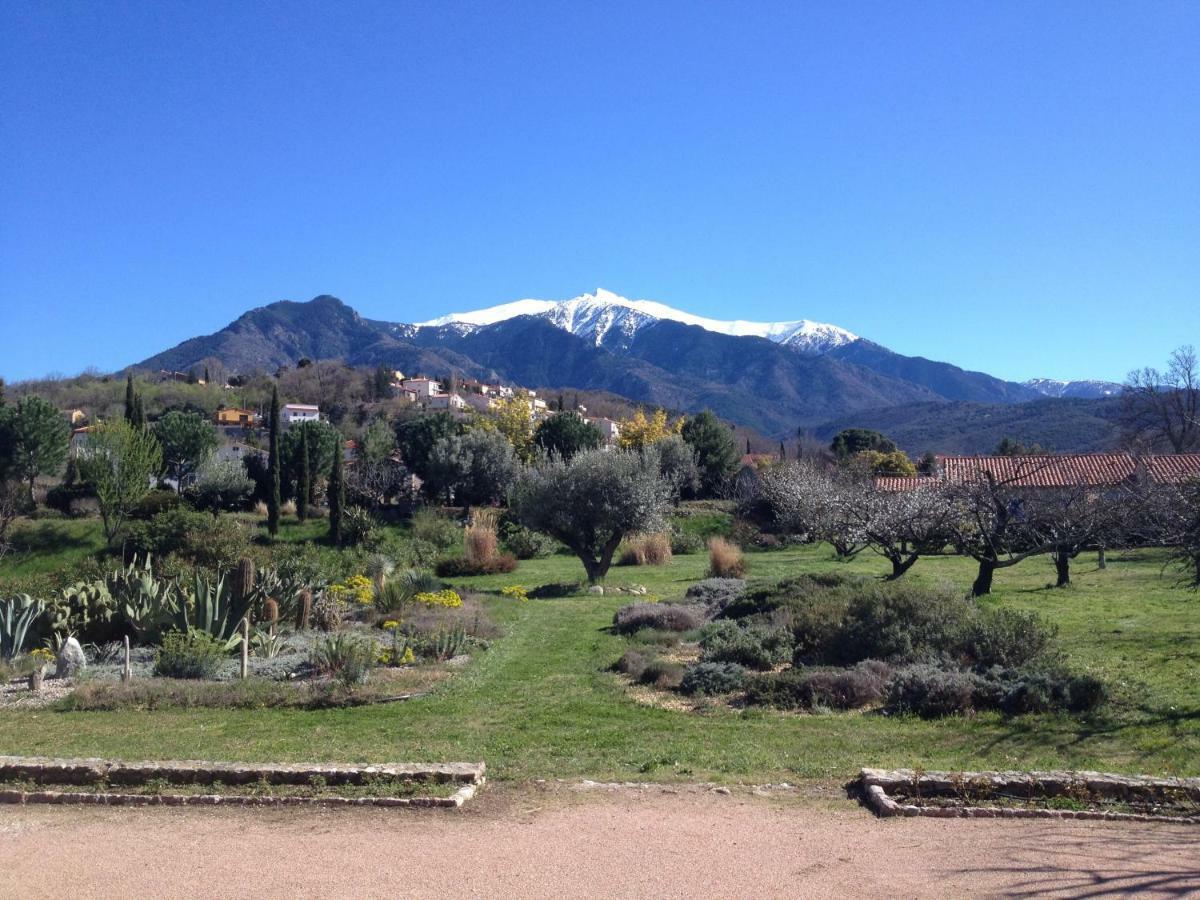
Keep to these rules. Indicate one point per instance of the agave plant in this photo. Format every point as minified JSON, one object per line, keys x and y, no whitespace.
{"x":210,"y":606}
{"x":146,"y":603}
{"x":17,"y":615}
{"x":400,"y":591}
{"x":266,"y":644}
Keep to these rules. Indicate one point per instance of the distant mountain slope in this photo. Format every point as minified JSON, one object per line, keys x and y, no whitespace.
{"x":1084,"y":390}
{"x":1077,"y":425}
{"x":943,"y":379}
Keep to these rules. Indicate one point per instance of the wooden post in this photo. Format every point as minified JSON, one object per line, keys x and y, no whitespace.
{"x":245,"y":648}
{"x":127,"y":669}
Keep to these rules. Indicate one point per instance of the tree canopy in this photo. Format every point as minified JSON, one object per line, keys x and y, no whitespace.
{"x":591,"y":502}
{"x":186,"y":439}
{"x":34,"y":440}
{"x":566,"y":433}
{"x":716,"y":452}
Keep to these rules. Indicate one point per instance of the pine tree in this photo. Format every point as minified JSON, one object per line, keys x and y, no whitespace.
{"x":273,"y":467}
{"x":337,"y":498}
{"x":304,"y":487}
{"x":129,"y":397}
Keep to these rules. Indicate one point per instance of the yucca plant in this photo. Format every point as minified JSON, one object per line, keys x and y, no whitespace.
{"x":17,"y":615}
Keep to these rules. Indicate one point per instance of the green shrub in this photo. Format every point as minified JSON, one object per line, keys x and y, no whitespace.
{"x":852,"y":688}
{"x":155,"y":502}
{"x":189,"y":654}
{"x":557,"y":589}
{"x":461,"y":566}
{"x":662,"y":674}
{"x":201,"y":539}
{"x":900,"y":623}
{"x":758,"y":647}
{"x":931,"y":692}
{"x":657,"y":616}
{"x":632,"y":663}
{"x":1007,"y":637}
{"x":1037,"y":690}
{"x":685,"y":543}
{"x":345,"y":658}
{"x":437,"y":529}
{"x":525,"y":543}
{"x":713,"y":678}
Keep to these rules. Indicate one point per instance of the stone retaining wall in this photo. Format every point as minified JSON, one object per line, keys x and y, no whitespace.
{"x":875,"y":784}
{"x":46,"y":770}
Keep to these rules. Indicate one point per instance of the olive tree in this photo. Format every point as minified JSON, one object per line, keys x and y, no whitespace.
{"x":120,"y":462}
{"x":591,"y":502}
{"x":221,"y":484}
{"x":472,"y":469}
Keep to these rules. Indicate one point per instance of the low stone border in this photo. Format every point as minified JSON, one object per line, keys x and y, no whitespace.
{"x":46,"y":770}
{"x":875,"y":783}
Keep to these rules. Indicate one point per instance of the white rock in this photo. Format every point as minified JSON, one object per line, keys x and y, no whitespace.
{"x":596,"y":589}
{"x":71,"y":659}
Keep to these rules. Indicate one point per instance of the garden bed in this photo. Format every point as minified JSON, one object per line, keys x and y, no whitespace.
{"x":191,"y":782}
{"x":1023,"y":795}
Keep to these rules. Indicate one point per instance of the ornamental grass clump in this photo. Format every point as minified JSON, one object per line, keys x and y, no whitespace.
{"x":725,"y":559}
{"x":646,"y":550}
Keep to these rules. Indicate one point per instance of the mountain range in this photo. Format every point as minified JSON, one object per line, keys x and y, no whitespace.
{"x":773,"y":377}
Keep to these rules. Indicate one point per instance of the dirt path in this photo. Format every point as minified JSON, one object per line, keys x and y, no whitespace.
{"x":568,"y":843}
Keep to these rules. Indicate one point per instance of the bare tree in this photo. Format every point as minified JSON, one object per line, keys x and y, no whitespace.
{"x":1163,"y":408}
{"x":809,"y":499}
{"x":902,"y":526}
{"x":12,"y":500}
{"x":1077,"y":518}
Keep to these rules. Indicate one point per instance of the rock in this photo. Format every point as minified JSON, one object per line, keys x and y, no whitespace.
{"x":71,"y":659}
{"x":596,"y":589}
{"x":722,"y":790}
{"x":638,"y":589}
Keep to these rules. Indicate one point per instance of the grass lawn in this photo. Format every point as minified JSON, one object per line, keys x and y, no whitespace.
{"x":541,"y":703}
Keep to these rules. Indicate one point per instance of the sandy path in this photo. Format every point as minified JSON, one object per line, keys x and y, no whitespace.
{"x":570,"y":844}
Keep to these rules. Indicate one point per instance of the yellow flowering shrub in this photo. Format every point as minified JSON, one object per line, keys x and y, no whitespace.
{"x":355,"y":589}
{"x":445,"y":597}
{"x":515,"y":592}
{"x":390,"y":625}
{"x":407,"y":659}
{"x":41,"y":656}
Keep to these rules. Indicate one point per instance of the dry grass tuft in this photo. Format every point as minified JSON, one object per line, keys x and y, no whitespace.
{"x":725,"y":559}
{"x":646,"y":550}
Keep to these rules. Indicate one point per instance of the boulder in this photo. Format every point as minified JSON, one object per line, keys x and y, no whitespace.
{"x":596,"y":589}
{"x":71,"y":659}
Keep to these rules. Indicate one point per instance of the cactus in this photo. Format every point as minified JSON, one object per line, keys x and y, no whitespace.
{"x":447,"y":644}
{"x":243,"y":582}
{"x":270,"y":612}
{"x":304,"y":609}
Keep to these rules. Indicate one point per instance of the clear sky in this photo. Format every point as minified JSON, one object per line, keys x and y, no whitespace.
{"x":1013,"y":187}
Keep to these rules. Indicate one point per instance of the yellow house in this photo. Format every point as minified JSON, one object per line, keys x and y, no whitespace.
{"x":235,"y":417}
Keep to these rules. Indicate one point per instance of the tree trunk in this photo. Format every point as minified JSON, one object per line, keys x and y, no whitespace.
{"x":1062,"y":567}
{"x":900,"y":565}
{"x":1102,"y":558}
{"x":983,"y":581}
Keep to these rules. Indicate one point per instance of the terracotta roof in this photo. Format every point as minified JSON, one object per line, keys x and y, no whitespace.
{"x":1173,"y":468}
{"x":895,"y":483}
{"x":1064,"y":470}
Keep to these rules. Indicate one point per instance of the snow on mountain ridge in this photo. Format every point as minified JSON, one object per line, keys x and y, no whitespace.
{"x":606,"y":318}
{"x":1084,"y":388}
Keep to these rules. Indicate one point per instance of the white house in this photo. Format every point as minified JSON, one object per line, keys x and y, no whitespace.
{"x":479,"y":402}
{"x":447,"y":401}
{"x":293,"y":413}
{"x":424,"y":388}
{"x":609,"y":430}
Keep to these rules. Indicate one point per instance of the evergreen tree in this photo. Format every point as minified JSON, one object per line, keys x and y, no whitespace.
{"x":273,"y":466}
{"x":782,"y":451}
{"x":304,"y":482}
{"x":1,"y":392}
{"x":715,"y":449}
{"x":34,"y":440}
{"x":206,"y":378}
{"x":337,"y":500}
{"x":129,"y":396}
{"x":139,"y":413}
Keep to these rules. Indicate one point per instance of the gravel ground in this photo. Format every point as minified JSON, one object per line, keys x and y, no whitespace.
{"x":570,"y":842}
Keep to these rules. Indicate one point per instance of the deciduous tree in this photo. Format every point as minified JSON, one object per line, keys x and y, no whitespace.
{"x":120,"y":462}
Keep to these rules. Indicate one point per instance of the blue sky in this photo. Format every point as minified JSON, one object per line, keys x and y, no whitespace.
{"x":1011,"y":187}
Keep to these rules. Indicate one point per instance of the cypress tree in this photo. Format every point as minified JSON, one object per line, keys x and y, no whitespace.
{"x":129,"y":397}
{"x":782,"y":451}
{"x":337,"y":497}
{"x":207,"y":380}
{"x":304,"y":488}
{"x":139,"y":413}
{"x":273,"y":467}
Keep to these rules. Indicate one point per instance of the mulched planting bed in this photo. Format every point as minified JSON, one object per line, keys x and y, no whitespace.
{"x":1063,"y":795}
{"x":111,"y":782}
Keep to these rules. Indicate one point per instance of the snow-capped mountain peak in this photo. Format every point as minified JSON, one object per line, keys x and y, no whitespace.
{"x":1084,"y":389}
{"x":608,"y":319}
